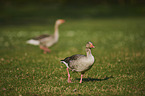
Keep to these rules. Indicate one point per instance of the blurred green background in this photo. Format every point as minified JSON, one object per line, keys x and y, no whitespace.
{"x":16,"y":12}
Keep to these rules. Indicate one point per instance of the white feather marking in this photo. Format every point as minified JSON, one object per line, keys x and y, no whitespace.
{"x":33,"y":42}
{"x":65,"y":64}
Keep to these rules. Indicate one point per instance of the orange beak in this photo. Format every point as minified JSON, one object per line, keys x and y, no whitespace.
{"x":62,"y":21}
{"x":92,"y":46}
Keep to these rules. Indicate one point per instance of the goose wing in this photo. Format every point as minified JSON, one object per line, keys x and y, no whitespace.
{"x":73,"y":57}
{"x":41,"y":37}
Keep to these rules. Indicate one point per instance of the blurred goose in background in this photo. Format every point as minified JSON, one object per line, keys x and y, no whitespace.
{"x":45,"y":41}
{"x":80,"y":63}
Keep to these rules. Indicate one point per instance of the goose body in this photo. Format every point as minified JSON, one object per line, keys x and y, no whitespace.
{"x":45,"y":41}
{"x":37,"y":40}
{"x":80,"y":63}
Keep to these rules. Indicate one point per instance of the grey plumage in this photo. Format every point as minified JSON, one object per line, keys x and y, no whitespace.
{"x":80,"y":63}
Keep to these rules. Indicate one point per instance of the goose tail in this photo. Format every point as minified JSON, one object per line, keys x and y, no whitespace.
{"x":62,"y":61}
{"x":33,"y":42}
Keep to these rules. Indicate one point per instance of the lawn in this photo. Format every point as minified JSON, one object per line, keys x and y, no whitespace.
{"x":119,"y":52}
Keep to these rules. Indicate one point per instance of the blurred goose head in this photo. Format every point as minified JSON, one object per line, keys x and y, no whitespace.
{"x":60,"y":21}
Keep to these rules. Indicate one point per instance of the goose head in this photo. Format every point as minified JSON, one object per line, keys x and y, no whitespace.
{"x":60,"y":21}
{"x":90,"y":45}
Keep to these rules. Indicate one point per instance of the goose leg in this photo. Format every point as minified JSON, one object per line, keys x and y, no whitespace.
{"x":69,"y":80}
{"x":81,"y":78}
{"x":45,"y":49}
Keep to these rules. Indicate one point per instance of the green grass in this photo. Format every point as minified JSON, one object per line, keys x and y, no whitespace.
{"x":119,"y":58}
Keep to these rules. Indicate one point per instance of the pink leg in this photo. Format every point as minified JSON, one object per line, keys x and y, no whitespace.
{"x":69,"y":80}
{"x":81,"y":78}
{"x":45,"y":49}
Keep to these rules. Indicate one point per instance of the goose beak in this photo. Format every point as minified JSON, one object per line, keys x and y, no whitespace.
{"x":92,"y":46}
{"x":62,"y":21}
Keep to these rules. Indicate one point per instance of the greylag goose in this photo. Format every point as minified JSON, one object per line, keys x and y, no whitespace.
{"x":45,"y":41}
{"x":80,"y":63}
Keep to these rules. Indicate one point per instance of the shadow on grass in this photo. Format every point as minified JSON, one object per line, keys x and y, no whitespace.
{"x":95,"y":79}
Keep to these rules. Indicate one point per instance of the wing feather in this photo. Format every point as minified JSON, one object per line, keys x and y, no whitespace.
{"x":73,"y":57}
{"x":41,"y":37}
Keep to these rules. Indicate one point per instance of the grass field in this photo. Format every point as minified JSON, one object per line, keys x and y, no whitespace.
{"x":119,"y":53}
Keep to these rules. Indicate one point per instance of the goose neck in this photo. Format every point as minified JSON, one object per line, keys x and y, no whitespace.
{"x":56,"y":34}
{"x":88,"y":51}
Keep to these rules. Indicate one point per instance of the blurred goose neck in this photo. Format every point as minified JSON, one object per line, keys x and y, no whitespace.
{"x":56,"y":32}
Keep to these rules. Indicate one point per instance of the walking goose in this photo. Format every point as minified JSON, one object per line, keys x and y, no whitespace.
{"x":80,"y":63}
{"x":45,"y":41}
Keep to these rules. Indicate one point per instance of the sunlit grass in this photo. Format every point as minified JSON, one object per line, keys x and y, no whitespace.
{"x":119,"y":58}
